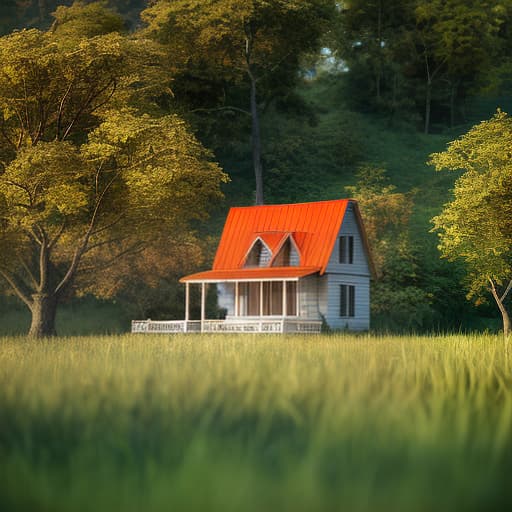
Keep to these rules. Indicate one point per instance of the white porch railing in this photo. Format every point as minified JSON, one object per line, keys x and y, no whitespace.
{"x":258,"y":325}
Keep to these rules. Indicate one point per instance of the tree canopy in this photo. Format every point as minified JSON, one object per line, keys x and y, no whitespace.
{"x":90,"y":171}
{"x":476,"y":226}
{"x":221,"y":43}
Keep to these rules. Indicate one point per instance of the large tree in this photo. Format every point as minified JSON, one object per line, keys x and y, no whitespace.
{"x":476,"y":226}
{"x":254,"y":42}
{"x":86,"y":175}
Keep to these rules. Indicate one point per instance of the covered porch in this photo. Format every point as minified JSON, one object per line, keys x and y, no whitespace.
{"x":253,"y":301}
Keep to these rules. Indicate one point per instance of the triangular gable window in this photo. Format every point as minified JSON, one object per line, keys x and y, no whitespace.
{"x":288,"y":255}
{"x":259,"y":255}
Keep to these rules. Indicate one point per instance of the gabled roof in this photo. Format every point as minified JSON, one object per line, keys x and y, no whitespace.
{"x":313,"y":227}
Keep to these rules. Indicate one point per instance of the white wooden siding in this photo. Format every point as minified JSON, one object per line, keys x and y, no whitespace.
{"x":323,"y":282}
{"x":294,"y":256}
{"x":265,"y":256}
{"x":361,"y":320}
{"x":355,"y":274}
{"x":360,"y":265}
{"x":308,"y":298}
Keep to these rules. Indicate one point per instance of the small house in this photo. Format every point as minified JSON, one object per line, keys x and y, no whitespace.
{"x":285,"y":268}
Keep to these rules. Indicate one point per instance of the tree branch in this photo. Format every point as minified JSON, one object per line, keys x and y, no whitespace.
{"x":80,"y":250}
{"x":57,"y":236}
{"x":28,"y":271}
{"x":17,"y":290}
{"x":135,"y":249}
{"x":507,"y":289}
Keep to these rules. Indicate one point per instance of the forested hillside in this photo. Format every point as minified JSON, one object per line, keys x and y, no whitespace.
{"x":297,"y":101}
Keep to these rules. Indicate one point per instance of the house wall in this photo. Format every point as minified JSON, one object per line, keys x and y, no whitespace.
{"x":294,"y":256}
{"x":361,"y":320}
{"x":360,"y":263}
{"x":308,"y":298}
{"x":356,"y":274}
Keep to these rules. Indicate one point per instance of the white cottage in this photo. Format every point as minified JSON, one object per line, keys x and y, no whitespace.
{"x":285,"y":268}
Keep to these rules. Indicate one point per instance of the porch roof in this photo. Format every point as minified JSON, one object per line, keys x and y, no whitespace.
{"x":251,"y":274}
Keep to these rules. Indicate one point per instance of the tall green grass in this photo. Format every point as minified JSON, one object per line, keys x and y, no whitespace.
{"x":256,"y":423}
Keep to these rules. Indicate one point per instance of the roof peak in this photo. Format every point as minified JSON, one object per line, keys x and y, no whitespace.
{"x":325,"y":201}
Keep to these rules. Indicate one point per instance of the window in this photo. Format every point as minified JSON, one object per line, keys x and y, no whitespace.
{"x":259,"y":255}
{"x":347,"y":300}
{"x":287,"y":255}
{"x":346,"y":248}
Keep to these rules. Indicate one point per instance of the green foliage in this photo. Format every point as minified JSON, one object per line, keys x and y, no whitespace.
{"x":476,"y":226}
{"x":83,"y":19}
{"x":248,"y":52}
{"x":88,"y":174}
{"x":398,"y":298}
{"x":234,"y":423}
{"x":413,"y":57}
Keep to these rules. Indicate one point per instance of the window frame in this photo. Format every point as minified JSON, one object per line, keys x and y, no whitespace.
{"x":347,"y":301}
{"x":346,"y":249}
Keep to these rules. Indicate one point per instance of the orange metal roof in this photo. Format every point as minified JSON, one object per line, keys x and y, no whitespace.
{"x":314,"y":227}
{"x":248,"y":274}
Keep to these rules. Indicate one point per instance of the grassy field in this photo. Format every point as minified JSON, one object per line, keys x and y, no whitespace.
{"x":257,"y":423}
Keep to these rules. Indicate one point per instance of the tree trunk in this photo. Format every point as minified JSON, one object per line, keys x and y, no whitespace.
{"x":43,"y":308}
{"x":505,"y":318}
{"x":503,"y":310}
{"x":256,"y":142}
{"x":378,"y":77}
{"x":42,"y":10}
{"x":453,"y":96}
{"x":428,"y":102}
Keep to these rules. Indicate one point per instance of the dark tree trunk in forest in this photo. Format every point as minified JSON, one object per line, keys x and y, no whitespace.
{"x":255,"y":119}
{"x":256,"y":142}
{"x":378,"y":75}
{"x":43,"y":309}
{"x":43,"y":11}
{"x":428,"y":103}
{"x":453,"y":97}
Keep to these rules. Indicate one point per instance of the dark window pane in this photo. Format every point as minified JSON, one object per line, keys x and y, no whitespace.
{"x":351,"y":300}
{"x":343,"y":300}
{"x":342,"y":249}
{"x":291,"y":298}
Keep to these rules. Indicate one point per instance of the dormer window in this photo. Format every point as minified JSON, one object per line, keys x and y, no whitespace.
{"x":287,"y":256}
{"x":259,"y":255}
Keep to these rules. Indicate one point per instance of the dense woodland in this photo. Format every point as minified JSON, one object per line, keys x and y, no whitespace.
{"x":293,"y":100}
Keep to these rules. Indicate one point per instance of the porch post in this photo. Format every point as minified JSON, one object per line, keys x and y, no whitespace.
{"x":261,"y":299}
{"x":297,"y":301}
{"x":284,"y":298}
{"x":203,"y":304}
{"x":187,"y":305}
{"x":236,"y":298}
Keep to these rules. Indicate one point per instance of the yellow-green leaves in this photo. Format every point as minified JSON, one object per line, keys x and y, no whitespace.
{"x":476,"y":225}
{"x":85,"y":20}
{"x":92,"y":169}
{"x":44,"y":183}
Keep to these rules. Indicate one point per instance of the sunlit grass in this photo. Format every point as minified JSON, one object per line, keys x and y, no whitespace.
{"x":255,"y":423}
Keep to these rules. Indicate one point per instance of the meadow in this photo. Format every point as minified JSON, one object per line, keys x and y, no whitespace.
{"x":254,"y":423}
